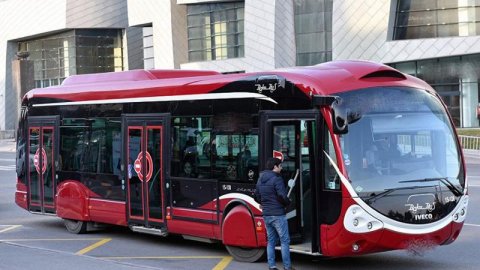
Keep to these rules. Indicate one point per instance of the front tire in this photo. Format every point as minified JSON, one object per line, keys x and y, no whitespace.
{"x":75,"y":226}
{"x":246,"y":254}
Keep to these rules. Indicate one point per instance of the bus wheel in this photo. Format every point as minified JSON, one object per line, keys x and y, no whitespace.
{"x":75,"y":226}
{"x":246,"y":254}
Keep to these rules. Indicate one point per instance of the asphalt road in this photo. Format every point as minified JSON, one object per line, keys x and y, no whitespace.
{"x":30,"y":241}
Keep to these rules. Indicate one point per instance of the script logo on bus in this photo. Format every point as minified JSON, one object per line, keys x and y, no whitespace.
{"x":421,"y":206}
{"x":263,"y":87}
{"x":415,"y":207}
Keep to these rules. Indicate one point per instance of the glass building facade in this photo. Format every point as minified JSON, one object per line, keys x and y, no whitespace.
{"x":148,"y":52}
{"x":436,"y":18}
{"x":313,"y":31}
{"x":456,"y":81}
{"x":215,"y":31}
{"x":79,"y":51}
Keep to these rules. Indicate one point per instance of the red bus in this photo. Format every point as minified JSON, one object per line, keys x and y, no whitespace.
{"x":179,"y":152}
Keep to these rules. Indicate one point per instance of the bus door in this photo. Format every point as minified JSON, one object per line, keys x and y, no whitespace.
{"x":145,"y":140}
{"x":42,"y":161}
{"x":290,"y":135}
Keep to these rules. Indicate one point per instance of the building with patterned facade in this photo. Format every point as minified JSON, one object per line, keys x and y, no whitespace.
{"x":435,"y":40}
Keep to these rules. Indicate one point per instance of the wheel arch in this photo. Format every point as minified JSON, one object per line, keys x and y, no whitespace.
{"x":238,"y":225}
{"x":234,"y":203}
{"x":239,"y":232}
{"x":72,"y":201}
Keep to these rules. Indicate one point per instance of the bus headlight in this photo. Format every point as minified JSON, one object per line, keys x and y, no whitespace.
{"x":358,"y":220}
{"x":460,"y":212}
{"x":355,"y":222}
{"x":369,"y":225}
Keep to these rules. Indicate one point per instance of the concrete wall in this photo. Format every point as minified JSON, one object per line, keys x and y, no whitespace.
{"x":22,"y":82}
{"x":26,"y":19}
{"x":361,"y":31}
{"x":269,"y":39}
{"x":96,"y":14}
{"x":18,"y":19}
{"x":164,"y":16}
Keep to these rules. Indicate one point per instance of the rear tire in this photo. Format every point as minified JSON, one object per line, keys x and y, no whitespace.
{"x":75,"y":226}
{"x":246,"y":254}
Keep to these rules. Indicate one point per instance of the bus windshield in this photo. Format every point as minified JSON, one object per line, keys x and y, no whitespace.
{"x":399,"y":138}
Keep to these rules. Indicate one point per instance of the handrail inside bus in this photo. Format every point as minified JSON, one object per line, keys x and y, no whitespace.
{"x":210,"y":96}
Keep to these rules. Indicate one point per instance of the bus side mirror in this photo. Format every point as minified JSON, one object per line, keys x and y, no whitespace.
{"x":340,"y":115}
{"x":339,"y":118}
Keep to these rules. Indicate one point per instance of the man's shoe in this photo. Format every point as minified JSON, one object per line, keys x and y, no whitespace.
{"x":274,"y":268}
{"x":291,"y":268}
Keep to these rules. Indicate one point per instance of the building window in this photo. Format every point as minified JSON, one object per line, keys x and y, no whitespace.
{"x":74,"y":52}
{"x":436,"y":18}
{"x":53,"y":58}
{"x":99,"y":50}
{"x":215,"y":31}
{"x":313,"y":31}
{"x":148,"y":55}
{"x":456,"y":81}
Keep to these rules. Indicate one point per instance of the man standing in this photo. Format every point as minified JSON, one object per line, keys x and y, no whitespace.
{"x":272,"y":195}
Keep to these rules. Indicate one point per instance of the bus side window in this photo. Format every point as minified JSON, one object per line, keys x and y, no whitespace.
{"x":230,"y":153}
{"x":236,"y":157}
{"x":191,"y":153}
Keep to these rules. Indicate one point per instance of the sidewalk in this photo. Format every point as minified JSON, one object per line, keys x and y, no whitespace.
{"x":7,"y":145}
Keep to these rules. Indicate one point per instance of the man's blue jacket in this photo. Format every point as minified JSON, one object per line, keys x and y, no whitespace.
{"x":271,"y":193}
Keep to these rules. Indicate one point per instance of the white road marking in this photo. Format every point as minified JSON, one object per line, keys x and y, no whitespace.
{"x":7,"y":168}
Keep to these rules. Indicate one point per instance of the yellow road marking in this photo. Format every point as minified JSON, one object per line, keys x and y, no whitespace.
{"x":223,"y":263}
{"x":220,"y":266}
{"x":50,"y":239}
{"x":94,"y":246}
{"x":162,"y":257}
{"x":9,"y":228}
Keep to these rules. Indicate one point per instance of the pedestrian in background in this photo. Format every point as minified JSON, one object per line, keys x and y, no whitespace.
{"x":271,"y":193}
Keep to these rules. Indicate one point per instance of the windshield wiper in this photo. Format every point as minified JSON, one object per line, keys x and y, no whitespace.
{"x":444,"y":180}
{"x":387,"y":191}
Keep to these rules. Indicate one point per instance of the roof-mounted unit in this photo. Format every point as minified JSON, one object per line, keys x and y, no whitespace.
{"x":380,"y":74}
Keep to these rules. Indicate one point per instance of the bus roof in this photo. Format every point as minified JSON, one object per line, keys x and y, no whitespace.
{"x":323,"y":79}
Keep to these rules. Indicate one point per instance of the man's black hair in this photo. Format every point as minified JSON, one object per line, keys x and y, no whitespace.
{"x":272,"y":162}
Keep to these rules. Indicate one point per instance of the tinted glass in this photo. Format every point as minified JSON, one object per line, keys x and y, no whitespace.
{"x":313,"y":28}
{"x":435,"y":18}
{"x":204,"y":148}
{"x":395,"y":135}
{"x":214,"y":31}
{"x":154,"y":140}
{"x":135,"y":179}
{"x":35,"y":165}
{"x":49,"y":174}
{"x":74,"y":52}
{"x":91,"y":147}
